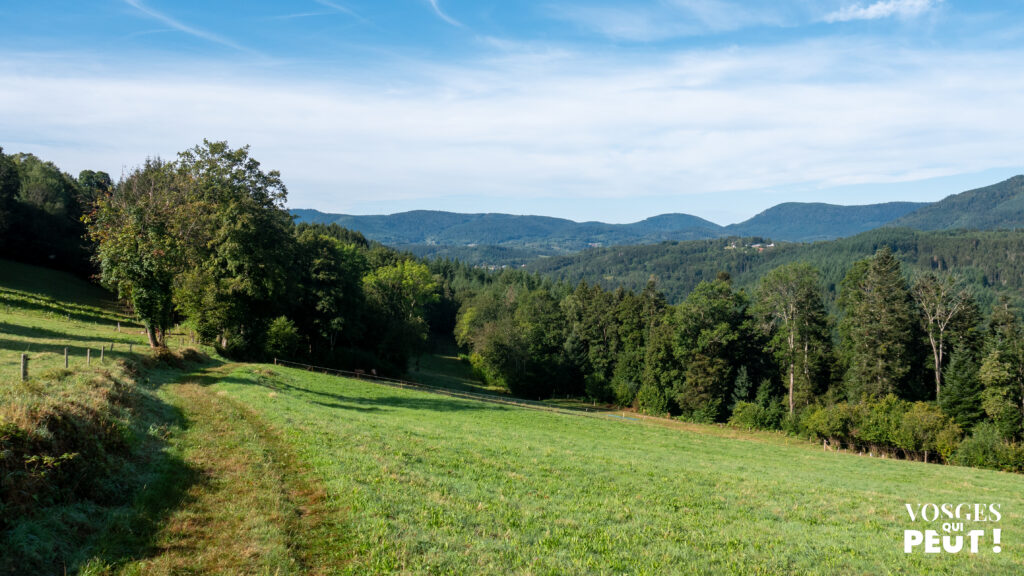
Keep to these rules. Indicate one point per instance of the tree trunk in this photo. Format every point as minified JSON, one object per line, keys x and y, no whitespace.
{"x":937,"y":357}
{"x":154,"y":342}
{"x":792,"y":376}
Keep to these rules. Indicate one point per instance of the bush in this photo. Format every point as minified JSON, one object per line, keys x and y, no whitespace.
{"x":985,"y":448}
{"x":829,"y":422}
{"x":651,"y":400}
{"x":754,"y":416}
{"x":925,"y":428}
{"x":282,"y":338}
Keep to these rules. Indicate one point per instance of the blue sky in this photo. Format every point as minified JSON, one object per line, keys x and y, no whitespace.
{"x":584,"y":109}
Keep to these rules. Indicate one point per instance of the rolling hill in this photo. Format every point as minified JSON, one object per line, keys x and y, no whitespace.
{"x":808,"y":222}
{"x":473,"y":237}
{"x":506,"y":239}
{"x":997,"y":206}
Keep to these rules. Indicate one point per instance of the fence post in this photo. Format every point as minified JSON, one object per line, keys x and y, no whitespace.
{"x":129,"y":347}
{"x":102,"y":348}
{"x":65,"y":358}
{"x":119,"y":326}
{"x":88,"y":356}
{"x":275,"y":360}
{"x":24,"y":367}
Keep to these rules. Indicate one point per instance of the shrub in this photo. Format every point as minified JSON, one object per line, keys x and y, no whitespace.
{"x":985,"y":448}
{"x":282,"y":338}
{"x":753,"y":416}
{"x":651,"y":400}
{"x":830,"y":422}
{"x":925,"y":428}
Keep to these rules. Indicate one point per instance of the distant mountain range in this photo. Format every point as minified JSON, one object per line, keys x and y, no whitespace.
{"x":477,"y":237}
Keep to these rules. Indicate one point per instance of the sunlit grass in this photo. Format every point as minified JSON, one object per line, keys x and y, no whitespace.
{"x":431,"y":484}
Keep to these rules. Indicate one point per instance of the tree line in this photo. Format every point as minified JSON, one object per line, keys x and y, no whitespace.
{"x":925,"y":364}
{"x":907,"y":367}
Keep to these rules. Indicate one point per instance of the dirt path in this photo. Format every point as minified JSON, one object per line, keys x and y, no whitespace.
{"x":253,"y":503}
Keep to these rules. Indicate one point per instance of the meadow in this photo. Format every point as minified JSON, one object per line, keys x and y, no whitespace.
{"x":260,"y":469}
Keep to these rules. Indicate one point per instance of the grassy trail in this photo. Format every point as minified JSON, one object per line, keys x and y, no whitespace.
{"x":252,"y":505}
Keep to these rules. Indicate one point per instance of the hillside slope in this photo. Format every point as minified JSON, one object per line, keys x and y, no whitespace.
{"x":989,"y":260}
{"x":808,"y":222}
{"x":997,"y":206}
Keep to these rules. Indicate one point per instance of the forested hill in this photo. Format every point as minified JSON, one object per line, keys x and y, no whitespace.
{"x":808,"y":222}
{"x":997,"y":206}
{"x":540,"y":233}
{"x":987,"y":259}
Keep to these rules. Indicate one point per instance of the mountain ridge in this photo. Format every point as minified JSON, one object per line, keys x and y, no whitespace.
{"x":436,"y":232}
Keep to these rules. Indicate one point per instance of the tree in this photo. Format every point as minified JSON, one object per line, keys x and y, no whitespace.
{"x":940,"y":300}
{"x":961,"y":396}
{"x":1002,"y":372}
{"x":396,"y":296}
{"x":330,"y":301}
{"x":136,"y":229}
{"x":877,"y":329}
{"x":239,"y":245}
{"x":710,"y":333}
{"x":791,"y":313}
{"x":10,"y":186}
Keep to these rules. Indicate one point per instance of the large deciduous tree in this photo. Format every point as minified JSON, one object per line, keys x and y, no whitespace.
{"x":941,"y":301}
{"x":137,"y":232}
{"x":396,"y":295}
{"x":239,"y":244}
{"x":710,"y":334}
{"x":790,"y":312}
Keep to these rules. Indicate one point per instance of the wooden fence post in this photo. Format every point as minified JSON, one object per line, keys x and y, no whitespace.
{"x":65,"y":358}
{"x":119,"y":326}
{"x":24,"y":367}
{"x":129,"y":347}
{"x":88,"y":356}
{"x":102,"y":348}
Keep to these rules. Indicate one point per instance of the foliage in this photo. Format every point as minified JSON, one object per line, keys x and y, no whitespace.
{"x":986,"y":448}
{"x":138,"y":249}
{"x":282,"y":338}
{"x":877,"y":329}
{"x":790,"y":312}
{"x":651,"y":400}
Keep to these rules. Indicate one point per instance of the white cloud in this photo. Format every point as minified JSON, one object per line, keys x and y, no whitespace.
{"x":882,"y":9}
{"x":532,"y":126}
{"x":668,"y":19}
{"x":440,"y":14}
{"x":181,"y":27}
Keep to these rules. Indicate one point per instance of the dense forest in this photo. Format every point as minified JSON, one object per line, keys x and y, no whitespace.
{"x":895,"y":342}
{"x":990,"y":261}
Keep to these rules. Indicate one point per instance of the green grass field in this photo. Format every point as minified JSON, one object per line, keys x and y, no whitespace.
{"x":256,"y":469}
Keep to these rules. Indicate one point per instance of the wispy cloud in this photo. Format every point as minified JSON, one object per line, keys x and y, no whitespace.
{"x":581,"y":126}
{"x":882,"y":9}
{"x":339,"y":8}
{"x":181,"y":27}
{"x":440,"y":14}
{"x":665,"y":20}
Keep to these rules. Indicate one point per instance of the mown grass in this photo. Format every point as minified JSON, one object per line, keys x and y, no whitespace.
{"x":429,"y":484}
{"x":83,"y":449}
{"x":251,"y":469}
{"x":442,"y":367}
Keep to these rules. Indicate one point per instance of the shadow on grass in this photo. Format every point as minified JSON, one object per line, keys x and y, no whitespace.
{"x":98,"y":536}
{"x":436,"y":403}
{"x":29,"y":302}
{"x":47,"y":334}
{"x":131,"y":536}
